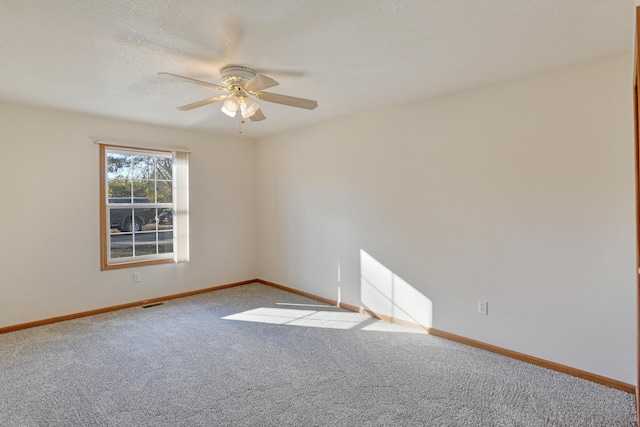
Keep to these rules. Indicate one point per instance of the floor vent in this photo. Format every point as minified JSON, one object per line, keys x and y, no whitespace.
{"x":153,"y":304}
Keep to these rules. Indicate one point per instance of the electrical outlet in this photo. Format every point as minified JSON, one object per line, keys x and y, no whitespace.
{"x":136,"y":277}
{"x":483,"y":307}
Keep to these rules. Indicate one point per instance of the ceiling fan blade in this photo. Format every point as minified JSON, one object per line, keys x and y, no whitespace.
{"x":257,"y":116}
{"x":190,"y":80}
{"x":202,"y":103}
{"x":280,"y":72}
{"x":292,"y":101}
{"x":260,"y":82}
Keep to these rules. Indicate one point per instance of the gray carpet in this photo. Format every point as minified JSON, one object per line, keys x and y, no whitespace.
{"x":257,"y":356}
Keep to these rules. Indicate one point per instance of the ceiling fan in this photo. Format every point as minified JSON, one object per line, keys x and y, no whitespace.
{"x":243,"y":88}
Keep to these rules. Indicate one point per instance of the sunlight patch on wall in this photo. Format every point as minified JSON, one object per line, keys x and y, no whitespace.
{"x":384,"y":292}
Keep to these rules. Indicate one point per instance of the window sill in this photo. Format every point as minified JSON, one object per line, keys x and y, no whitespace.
{"x":133,"y":264}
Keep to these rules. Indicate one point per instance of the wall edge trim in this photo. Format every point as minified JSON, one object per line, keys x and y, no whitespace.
{"x":48,"y":321}
{"x":554,"y":366}
{"x":589,"y":376}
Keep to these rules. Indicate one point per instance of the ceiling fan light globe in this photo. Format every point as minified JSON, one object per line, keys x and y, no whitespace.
{"x":248,"y":107}
{"x":230,"y":106}
{"x":232,"y":103}
{"x":228,"y":112}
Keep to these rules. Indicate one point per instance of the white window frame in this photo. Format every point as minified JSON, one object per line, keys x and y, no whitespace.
{"x":179,"y":206}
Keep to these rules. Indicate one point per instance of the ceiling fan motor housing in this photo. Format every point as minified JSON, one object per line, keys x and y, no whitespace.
{"x":236,"y":75}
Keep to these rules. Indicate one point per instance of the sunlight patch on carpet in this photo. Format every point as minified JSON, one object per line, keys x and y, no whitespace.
{"x":297,"y":317}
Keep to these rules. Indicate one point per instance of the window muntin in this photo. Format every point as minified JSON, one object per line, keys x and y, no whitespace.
{"x":137,"y":201}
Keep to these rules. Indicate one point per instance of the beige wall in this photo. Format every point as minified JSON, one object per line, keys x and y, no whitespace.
{"x":519,"y":193}
{"x":50,"y":215}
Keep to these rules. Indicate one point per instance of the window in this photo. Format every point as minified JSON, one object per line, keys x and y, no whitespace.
{"x":143,"y":207}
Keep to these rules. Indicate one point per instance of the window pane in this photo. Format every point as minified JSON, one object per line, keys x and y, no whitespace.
{"x":165,"y":219}
{"x":118,"y":166}
{"x":164,"y":192}
{"x":119,"y":188}
{"x":144,"y":189}
{"x":145,"y":244}
{"x":120,"y":217}
{"x":141,"y":217}
{"x":165,"y":242}
{"x":143,"y":167}
{"x":121,"y":245}
{"x":163,"y":168}
{"x":131,"y":219}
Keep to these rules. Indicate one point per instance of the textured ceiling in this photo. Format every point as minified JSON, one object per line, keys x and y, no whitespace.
{"x":102,"y":57}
